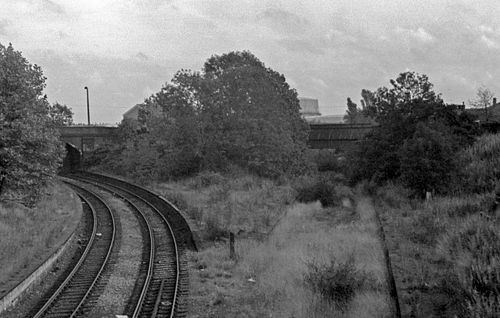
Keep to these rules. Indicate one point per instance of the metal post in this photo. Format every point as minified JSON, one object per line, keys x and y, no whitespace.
{"x":88,"y":108}
{"x":232,"y":254}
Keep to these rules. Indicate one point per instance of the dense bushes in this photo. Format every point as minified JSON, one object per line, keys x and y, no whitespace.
{"x":326,"y":188}
{"x":417,"y":137}
{"x":235,"y":111}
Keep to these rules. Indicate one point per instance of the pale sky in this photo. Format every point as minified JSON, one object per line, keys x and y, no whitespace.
{"x":126,"y":50}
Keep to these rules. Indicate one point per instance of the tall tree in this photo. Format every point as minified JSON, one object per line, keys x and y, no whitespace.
{"x":408,"y":112}
{"x":352,"y":112}
{"x":30,"y":151}
{"x":483,"y":99}
{"x":235,"y":111}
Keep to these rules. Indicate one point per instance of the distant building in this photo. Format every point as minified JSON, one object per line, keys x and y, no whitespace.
{"x":132,"y":113}
{"x":309,"y":107}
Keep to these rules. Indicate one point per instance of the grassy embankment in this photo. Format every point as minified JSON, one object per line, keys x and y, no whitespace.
{"x":29,"y":236}
{"x":284,"y":252}
{"x":445,"y":253}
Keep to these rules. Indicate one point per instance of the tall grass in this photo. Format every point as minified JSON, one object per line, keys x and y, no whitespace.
{"x":480,"y":165}
{"x":29,"y":235}
{"x":445,"y":253}
{"x":240,"y":204}
{"x":302,"y":247}
{"x":474,"y":250}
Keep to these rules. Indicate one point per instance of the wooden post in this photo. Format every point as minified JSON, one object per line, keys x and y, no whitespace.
{"x":231,"y":245}
{"x":428,"y":196}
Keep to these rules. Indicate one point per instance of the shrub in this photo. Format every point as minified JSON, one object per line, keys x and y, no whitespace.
{"x":327,"y":160}
{"x":474,"y":250}
{"x":393,"y":195}
{"x":207,"y":178}
{"x":335,"y":282}
{"x":461,"y":206}
{"x":321,"y":190}
{"x":214,"y":230}
{"x":426,"y":159}
{"x":480,"y":165}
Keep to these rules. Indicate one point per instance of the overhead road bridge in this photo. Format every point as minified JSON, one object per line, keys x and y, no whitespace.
{"x":84,"y":138}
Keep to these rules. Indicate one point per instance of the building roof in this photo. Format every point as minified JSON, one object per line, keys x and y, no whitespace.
{"x":132,"y":112}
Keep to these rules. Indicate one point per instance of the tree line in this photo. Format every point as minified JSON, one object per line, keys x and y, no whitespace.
{"x":234,"y":112}
{"x":30,"y":150}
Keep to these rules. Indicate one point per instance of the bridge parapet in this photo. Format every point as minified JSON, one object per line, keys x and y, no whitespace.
{"x":87,"y":138}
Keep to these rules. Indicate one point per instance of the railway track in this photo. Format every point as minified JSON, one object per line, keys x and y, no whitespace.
{"x":162,"y":284}
{"x":180,"y":227}
{"x":71,"y":298}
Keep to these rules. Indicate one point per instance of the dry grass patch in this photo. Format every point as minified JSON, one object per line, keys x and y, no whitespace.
{"x":267,"y":278}
{"x":31,"y":235}
{"x":430,"y":248}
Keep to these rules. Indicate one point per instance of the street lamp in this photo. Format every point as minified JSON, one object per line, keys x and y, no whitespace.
{"x":88,"y":108}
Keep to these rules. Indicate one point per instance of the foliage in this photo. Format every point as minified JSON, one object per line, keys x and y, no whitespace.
{"x":480,"y":164}
{"x":324,"y":188}
{"x":352,"y":112}
{"x":235,"y":111}
{"x":474,"y":250}
{"x":336,"y":282}
{"x":30,"y":151}
{"x":61,"y":115}
{"x":427,"y":159}
{"x":402,"y":112}
{"x":327,"y":160}
{"x":483,"y":99}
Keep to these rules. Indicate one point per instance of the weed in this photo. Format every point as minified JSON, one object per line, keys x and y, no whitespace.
{"x":474,"y":249}
{"x":461,"y":206}
{"x":336,"y":282}
{"x":214,"y":230}
{"x":322,"y":190}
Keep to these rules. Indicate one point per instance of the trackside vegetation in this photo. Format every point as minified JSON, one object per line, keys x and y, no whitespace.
{"x":444,"y":250}
{"x":30,"y":149}
{"x":227,"y":144}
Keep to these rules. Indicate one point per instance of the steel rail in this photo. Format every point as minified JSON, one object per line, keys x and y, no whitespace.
{"x":49,"y":303}
{"x":137,"y":312}
{"x":149,"y":228}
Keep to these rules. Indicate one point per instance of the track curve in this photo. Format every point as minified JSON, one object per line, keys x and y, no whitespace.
{"x":69,"y":299}
{"x":166,"y":282}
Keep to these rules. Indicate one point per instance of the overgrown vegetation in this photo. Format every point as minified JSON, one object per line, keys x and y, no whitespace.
{"x":480,"y":164}
{"x":417,"y":137}
{"x":276,"y":239}
{"x":235,"y":111}
{"x":335,"y":281}
{"x":444,"y":251}
{"x":29,"y":235}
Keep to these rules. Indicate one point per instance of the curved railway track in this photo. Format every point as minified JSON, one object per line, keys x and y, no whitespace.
{"x":180,"y":226}
{"x":70,"y":298}
{"x":162,"y":284}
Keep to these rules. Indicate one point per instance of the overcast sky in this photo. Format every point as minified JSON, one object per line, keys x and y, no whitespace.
{"x":126,"y":50}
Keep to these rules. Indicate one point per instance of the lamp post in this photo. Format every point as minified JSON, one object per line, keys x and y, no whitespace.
{"x":88,"y":108}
